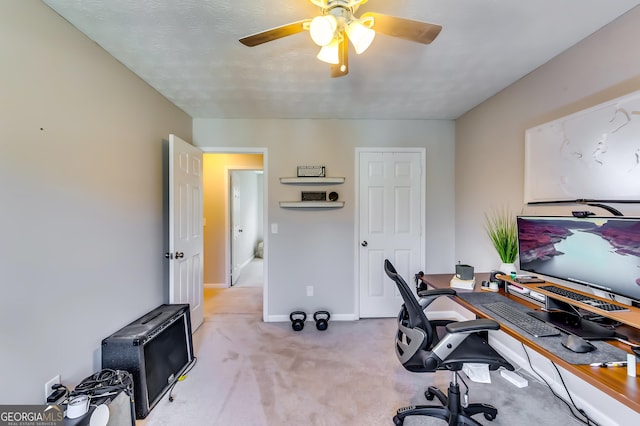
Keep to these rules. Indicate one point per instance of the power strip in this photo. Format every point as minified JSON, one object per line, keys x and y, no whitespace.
{"x":514,"y":378}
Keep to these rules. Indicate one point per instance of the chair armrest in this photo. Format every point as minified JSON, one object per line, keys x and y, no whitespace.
{"x":472,"y":326}
{"x":437,"y":292}
{"x":457,"y":332}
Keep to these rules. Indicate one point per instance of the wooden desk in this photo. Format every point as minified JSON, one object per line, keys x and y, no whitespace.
{"x":612,"y":381}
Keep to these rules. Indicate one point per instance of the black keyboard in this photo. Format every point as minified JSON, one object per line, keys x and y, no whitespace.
{"x":526,"y":322}
{"x":595,"y":303}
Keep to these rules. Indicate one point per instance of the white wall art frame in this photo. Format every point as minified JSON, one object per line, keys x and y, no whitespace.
{"x":593,"y":154}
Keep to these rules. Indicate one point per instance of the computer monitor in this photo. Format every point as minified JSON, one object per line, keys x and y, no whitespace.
{"x":599,"y":252}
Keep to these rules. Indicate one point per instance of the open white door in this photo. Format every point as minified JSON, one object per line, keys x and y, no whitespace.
{"x":391,"y":220}
{"x":236,"y":226}
{"x":185,"y":228}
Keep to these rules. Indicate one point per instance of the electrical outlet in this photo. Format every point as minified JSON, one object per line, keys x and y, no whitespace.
{"x":310,"y":290}
{"x":48,"y":387}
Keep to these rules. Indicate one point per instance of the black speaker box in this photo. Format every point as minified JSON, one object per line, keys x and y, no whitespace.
{"x":156,"y":349}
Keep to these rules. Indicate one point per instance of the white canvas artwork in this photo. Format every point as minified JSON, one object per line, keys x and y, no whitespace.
{"x":593,"y":154}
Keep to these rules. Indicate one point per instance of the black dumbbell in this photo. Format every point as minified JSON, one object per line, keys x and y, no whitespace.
{"x":297,"y":320}
{"x":322,"y":320}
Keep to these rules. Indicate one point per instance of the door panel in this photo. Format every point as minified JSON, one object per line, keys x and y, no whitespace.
{"x":375,"y":283}
{"x":391,"y":219}
{"x":185,"y":227}
{"x":236,"y":226}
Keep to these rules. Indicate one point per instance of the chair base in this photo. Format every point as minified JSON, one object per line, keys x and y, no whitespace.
{"x":451,"y":410}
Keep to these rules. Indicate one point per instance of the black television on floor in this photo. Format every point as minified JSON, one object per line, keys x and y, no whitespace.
{"x":599,"y":252}
{"x":156,"y":349}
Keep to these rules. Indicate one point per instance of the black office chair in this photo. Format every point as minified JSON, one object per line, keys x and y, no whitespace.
{"x":417,"y":351}
{"x":435,"y":328}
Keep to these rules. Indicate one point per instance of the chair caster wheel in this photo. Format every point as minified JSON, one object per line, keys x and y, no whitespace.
{"x":397,"y":421}
{"x":489,"y":416}
{"x":429,"y":395}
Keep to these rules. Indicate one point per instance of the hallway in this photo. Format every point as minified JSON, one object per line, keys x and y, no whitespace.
{"x":252,"y":274}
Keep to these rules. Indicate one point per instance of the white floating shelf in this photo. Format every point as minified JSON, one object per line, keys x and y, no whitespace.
{"x":312,"y":180}
{"x":312,"y":204}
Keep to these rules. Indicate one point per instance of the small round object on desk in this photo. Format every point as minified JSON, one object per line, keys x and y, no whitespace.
{"x":493,"y":286}
{"x":333,"y":196}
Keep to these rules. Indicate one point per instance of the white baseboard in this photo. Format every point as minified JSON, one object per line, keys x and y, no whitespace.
{"x":334,"y":317}
{"x":436,"y":315}
{"x":246,"y":262}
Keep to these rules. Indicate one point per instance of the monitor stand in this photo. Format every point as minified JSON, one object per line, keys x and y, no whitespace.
{"x":565,"y":317}
{"x":572,"y":323}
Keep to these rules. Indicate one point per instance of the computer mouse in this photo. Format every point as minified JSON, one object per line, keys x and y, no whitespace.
{"x":577,"y":344}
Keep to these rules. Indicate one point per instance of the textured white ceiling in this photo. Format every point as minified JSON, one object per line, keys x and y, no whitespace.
{"x":188,"y":50}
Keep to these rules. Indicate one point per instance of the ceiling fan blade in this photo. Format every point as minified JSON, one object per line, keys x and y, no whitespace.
{"x":408,"y":29}
{"x":275,"y":33}
{"x":342,"y":68}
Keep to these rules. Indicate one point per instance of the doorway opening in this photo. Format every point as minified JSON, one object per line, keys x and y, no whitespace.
{"x":219,"y":165}
{"x":246,"y":227}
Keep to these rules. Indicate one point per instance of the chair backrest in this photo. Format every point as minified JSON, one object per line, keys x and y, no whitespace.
{"x":415,"y":332}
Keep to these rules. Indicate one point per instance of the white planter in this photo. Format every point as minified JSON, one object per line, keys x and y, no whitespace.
{"x":508,"y":268}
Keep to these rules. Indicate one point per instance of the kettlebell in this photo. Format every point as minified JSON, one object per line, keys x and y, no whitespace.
{"x":322,"y":320}
{"x":297,"y":320}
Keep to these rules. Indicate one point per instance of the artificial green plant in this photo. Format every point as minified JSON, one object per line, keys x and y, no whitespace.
{"x":502,"y":231}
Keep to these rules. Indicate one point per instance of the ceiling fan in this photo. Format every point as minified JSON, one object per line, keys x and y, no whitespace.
{"x":338,"y":24}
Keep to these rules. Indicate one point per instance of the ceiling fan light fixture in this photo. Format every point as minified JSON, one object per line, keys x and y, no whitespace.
{"x":322,"y":29}
{"x":361,"y":37}
{"x":330,"y":53}
{"x":336,"y":21}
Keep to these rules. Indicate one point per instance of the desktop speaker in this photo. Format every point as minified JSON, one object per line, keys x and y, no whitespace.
{"x":156,"y":349}
{"x":314,"y":195}
{"x":464,"y":272}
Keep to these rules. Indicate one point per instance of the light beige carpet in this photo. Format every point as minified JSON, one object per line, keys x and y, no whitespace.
{"x":233,"y":301}
{"x":255,"y":373}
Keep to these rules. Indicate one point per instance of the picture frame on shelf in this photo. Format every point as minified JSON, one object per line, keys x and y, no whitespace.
{"x":311,"y":171}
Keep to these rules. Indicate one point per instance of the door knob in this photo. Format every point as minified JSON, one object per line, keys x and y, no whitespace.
{"x":364,"y":244}
{"x":179,"y":255}
{"x":168,"y":255}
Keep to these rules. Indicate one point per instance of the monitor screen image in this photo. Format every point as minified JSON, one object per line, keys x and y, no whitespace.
{"x":600,"y":252}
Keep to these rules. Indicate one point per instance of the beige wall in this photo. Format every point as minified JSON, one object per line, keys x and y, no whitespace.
{"x":320,"y":248}
{"x":490,"y":138}
{"x":81,"y":190}
{"x":216,"y":168}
